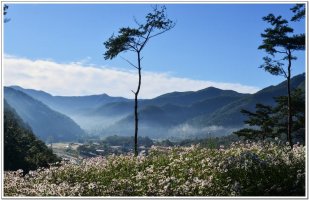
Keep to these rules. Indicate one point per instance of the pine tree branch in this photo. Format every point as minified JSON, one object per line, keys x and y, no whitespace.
{"x":129,"y":62}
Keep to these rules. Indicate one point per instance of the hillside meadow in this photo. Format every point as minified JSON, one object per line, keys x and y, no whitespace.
{"x":243,"y":169}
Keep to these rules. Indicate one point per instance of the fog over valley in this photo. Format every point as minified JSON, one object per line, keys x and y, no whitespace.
{"x":209,"y":112}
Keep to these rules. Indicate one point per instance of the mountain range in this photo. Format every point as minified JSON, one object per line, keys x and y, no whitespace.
{"x":46,"y":123}
{"x":172,"y":115}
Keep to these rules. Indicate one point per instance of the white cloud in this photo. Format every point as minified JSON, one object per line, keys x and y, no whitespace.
{"x":82,"y":79}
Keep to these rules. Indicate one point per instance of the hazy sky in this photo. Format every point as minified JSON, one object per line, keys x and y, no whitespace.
{"x":59,"y":48}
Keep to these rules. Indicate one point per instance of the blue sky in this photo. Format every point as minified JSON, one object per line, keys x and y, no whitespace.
{"x":211,"y":43}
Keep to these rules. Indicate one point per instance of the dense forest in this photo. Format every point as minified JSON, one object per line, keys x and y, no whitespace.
{"x":22,"y":149}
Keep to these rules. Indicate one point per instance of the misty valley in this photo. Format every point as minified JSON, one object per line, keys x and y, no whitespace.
{"x":210,"y":112}
{"x":76,"y":127}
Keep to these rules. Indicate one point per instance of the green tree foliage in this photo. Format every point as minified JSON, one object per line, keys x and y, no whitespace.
{"x":262,"y":121}
{"x":280,"y":43}
{"x":22,"y":150}
{"x":5,"y":8}
{"x":298,"y":117}
{"x":299,"y":10}
{"x":270,"y":121}
{"x":135,"y":39}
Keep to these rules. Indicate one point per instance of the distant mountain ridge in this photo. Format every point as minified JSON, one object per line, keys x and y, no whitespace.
{"x":229,"y":114}
{"x":210,"y":110}
{"x":70,"y":104}
{"x":45,"y":122}
{"x":188,"y":98}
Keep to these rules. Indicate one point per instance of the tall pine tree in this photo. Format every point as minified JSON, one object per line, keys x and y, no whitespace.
{"x":279,"y":43}
{"x":135,"y":39}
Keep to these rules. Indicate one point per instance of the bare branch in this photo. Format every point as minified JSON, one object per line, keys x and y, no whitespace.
{"x":129,"y":62}
{"x":135,"y":20}
{"x":139,"y":41}
{"x":284,"y":52}
{"x":146,"y":38}
{"x":160,"y":32}
{"x":131,"y":50}
{"x":133,"y":47}
{"x":157,"y":34}
{"x":284,"y":73}
{"x":133,"y":92}
{"x":142,"y":36}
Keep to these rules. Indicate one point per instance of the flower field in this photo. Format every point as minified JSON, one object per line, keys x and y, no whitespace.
{"x":243,"y":169}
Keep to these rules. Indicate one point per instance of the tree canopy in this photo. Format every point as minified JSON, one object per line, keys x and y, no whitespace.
{"x":135,"y":39}
{"x":261,"y":119}
{"x":278,"y":40}
{"x":299,"y":10}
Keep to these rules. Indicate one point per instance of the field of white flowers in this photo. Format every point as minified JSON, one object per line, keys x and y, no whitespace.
{"x":244,"y":169}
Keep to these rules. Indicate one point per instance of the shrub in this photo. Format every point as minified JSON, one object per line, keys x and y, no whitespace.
{"x":244,"y":169}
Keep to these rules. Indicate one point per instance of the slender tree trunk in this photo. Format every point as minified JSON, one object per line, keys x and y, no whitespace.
{"x":136,"y":102}
{"x":289,"y":133}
